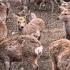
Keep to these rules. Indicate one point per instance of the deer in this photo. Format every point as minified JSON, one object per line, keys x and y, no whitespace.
{"x":34,"y":27}
{"x":64,"y":17}
{"x":3,"y":30}
{"x":21,"y":48}
{"x":56,"y":48}
{"x":63,"y":60}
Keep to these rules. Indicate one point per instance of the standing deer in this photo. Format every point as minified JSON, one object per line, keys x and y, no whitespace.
{"x":21,"y":48}
{"x":65,"y":17}
{"x":34,"y":27}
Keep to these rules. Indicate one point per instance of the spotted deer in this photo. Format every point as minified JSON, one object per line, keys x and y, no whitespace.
{"x":34,"y":27}
{"x":21,"y":48}
{"x":56,"y":48}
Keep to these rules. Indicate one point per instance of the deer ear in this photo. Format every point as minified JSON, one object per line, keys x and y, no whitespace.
{"x":62,"y":1}
{"x":18,"y":14}
{"x":33,"y":15}
{"x":14,"y":15}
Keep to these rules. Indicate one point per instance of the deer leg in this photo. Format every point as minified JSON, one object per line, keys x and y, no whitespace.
{"x":22,"y":68}
{"x":52,"y":3}
{"x":6,"y":60}
{"x":35,"y":63}
{"x":7,"y":64}
{"x":38,"y":53}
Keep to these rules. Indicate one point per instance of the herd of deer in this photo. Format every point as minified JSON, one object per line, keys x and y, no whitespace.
{"x":26,"y":44}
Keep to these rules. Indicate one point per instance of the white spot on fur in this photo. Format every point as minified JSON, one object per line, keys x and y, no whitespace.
{"x":22,"y":68}
{"x":38,"y":32}
{"x":13,"y":33}
{"x":38,"y":50}
{"x":7,"y":63}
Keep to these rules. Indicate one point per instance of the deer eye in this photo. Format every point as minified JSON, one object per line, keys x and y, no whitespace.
{"x":24,"y":21}
{"x":18,"y":21}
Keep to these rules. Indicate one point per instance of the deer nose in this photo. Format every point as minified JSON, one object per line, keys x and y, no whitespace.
{"x":22,"y":27}
{"x":65,"y":14}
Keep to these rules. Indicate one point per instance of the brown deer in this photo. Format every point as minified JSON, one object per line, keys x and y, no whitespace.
{"x":56,"y":48}
{"x":21,"y":48}
{"x":63,"y":60}
{"x":65,"y":17}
